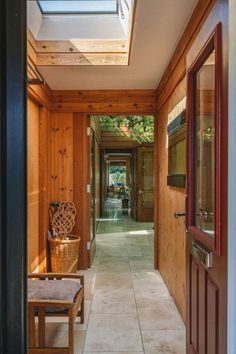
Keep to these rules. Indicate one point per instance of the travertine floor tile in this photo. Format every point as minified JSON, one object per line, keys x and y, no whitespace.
{"x":164,"y":342}
{"x":160,"y":316}
{"x":119,"y":301}
{"x":113,"y":333}
{"x":128,"y":308}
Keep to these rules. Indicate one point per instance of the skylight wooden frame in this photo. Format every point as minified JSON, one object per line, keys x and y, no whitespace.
{"x":78,"y":12}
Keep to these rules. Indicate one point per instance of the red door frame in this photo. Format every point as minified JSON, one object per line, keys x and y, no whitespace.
{"x":214,"y":42}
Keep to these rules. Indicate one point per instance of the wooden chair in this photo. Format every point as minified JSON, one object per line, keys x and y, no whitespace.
{"x":43,"y":308}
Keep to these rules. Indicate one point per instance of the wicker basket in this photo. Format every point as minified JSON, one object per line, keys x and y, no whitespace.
{"x":64,"y":254}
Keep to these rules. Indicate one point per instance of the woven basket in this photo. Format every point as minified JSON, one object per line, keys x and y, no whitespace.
{"x":64,"y":254}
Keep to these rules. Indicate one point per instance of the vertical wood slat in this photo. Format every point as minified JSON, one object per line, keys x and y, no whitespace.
{"x":61,"y":157}
{"x":212,"y":323}
{"x":33,"y":185}
{"x":44,"y":125}
{"x":194,"y":305}
{"x":81,"y":165}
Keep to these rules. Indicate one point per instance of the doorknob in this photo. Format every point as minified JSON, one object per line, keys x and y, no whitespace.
{"x":179,"y":214}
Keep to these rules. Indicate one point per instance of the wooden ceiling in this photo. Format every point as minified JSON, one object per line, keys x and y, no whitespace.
{"x":78,"y":52}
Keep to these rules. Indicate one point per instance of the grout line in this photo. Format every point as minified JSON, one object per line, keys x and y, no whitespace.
{"x":137,"y":309}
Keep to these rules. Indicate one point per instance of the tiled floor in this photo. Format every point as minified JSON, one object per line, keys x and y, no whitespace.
{"x":128,"y":307}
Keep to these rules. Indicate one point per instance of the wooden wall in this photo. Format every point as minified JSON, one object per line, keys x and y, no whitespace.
{"x":33,"y":185}
{"x":61,"y":157}
{"x":95,"y":126}
{"x":170,"y":233}
{"x":38,"y":119}
{"x":105,"y":101}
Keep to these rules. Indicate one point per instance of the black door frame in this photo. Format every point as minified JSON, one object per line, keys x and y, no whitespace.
{"x":13,"y":178}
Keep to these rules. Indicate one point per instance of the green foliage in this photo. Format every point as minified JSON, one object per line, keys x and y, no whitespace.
{"x":140,"y":128}
{"x":119,"y":177}
{"x":114,"y":169}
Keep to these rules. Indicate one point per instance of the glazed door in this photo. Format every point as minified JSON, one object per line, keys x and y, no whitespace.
{"x":145,"y":181}
{"x":206,"y":198}
{"x":92,"y":196}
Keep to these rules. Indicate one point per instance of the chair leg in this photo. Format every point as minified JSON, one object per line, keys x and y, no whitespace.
{"x":41,"y":327}
{"x":82,"y":311}
{"x":31,"y":327}
{"x":71,"y":332}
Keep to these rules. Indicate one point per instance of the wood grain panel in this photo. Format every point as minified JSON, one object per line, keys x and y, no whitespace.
{"x":44,"y":193}
{"x":82,"y":46}
{"x":47,"y":59}
{"x":194,"y":305}
{"x":112,"y":102}
{"x":40,"y":94}
{"x":81,"y":179}
{"x":212,"y":325}
{"x":61,"y":157}
{"x":171,"y":240}
{"x":33,"y":185}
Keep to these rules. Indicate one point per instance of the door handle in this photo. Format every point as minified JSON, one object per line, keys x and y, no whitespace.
{"x":179,"y":214}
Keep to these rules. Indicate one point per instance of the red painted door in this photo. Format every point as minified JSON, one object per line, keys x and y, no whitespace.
{"x":207,"y":189}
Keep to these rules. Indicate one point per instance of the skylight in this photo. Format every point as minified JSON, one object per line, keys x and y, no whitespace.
{"x":78,"y":6}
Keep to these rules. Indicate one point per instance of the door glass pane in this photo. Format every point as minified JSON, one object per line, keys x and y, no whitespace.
{"x":147,"y":179}
{"x":205,"y":147}
{"x":92,"y":181}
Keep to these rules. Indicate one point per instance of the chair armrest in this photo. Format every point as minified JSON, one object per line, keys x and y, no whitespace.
{"x":51,"y":276}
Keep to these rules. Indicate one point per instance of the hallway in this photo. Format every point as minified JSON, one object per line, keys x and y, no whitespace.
{"x":128,"y":307}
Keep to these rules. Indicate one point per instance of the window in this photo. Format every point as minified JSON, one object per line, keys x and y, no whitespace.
{"x":78,"y":6}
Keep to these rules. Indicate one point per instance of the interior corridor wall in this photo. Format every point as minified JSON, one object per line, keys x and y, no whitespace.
{"x":33,"y":185}
{"x":68,"y":169}
{"x":38,"y":118}
{"x":97,"y":132}
{"x":170,"y":232}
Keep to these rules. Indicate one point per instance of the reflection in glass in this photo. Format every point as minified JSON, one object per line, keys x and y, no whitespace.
{"x":147,"y":196}
{"x":205,"y":146}
{"x":92,"y":186}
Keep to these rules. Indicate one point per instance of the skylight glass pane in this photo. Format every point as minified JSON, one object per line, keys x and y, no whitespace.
{"x":78,"y":6}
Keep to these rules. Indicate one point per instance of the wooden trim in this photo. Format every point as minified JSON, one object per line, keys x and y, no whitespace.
{"x":41,"y":95}
{"x":48,"y":59}
{"x":156,"y":194}
{"x":81,"y":179}
{"x":48,"y":351}
{"x":111,"y":102}
{"x":82,"y":46}
{"x":132,"y":30}
{"x":31,"y":39}
{"x":214,"y":42}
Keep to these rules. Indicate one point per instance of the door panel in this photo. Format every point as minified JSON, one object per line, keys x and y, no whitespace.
{"x":206,"y":249}
{"x":92,"y":196}
{"x":145,"y":184}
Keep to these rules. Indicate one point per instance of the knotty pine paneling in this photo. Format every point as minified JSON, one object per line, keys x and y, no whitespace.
{"x":171,"y":232}
{"x":61,"y":157}
{"x":33,"y":186}
{"x":44,"y":125}
{"x":81,"y":165}
{"x":105,"y":101}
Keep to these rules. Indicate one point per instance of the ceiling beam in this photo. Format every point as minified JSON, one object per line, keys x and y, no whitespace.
{"x":82,"y":46}
{"x":47,"y":59}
